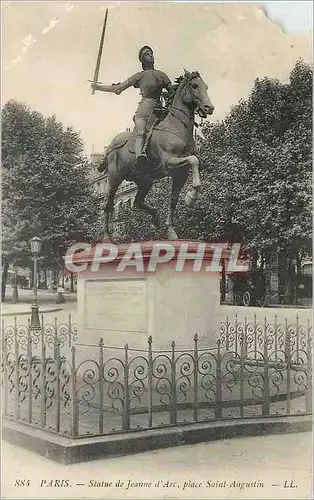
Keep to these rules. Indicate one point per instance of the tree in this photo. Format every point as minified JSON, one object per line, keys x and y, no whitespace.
{"x":46,"y":190}
{"x":256,"y":174}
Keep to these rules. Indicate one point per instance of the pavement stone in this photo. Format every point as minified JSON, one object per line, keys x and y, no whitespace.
{"x":198,"y":471}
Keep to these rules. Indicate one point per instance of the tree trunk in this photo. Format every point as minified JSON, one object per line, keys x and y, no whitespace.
{"x":31,"y":283}
{"x":223,"y":281}
{"x":15,"y":297}
{"x":4,"y":280}
{"x":45,"y":279}
{"x":254,"y":261}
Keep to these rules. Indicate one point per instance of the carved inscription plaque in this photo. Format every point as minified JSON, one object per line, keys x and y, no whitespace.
{"x":116,"y":305}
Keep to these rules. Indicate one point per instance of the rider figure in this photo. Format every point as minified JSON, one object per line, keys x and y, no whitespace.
{"x":151,"y":82}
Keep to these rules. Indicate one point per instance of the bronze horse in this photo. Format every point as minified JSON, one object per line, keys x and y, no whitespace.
{"x":170,"y":150}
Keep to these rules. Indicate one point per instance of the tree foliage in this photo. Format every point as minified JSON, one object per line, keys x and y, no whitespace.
{"x":46,"y":191}
{"x":256,"y":173}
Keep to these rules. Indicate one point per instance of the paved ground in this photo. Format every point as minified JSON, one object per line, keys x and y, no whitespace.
{"x":263,"y":467}
{"x":48,"y":300}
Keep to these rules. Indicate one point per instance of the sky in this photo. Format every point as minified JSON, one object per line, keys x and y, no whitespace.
{"x":296,"y":17}
{"x":49,"y":51}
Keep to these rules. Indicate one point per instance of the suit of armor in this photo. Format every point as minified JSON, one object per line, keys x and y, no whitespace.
{"x":151,"y":82}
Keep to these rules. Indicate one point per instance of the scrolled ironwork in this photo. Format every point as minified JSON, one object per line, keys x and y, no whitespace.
{"x":22,"y":335}
{"x":86,"y":394}
{"x":276,"y":368}
{"x":50,"y":381}
{"x":230,"y":368}
{"x":137,"y":375}
{"x":23,"y":374}
{"x":300,"y":378}
{"x":259,"y":335}
{"x":250,"y":335}
{"x":36,"y":374}
{"x":292,"y":336}
{"x":270,"y":336}
{"x":302,"y":336}
{"x":74,"y":332}
{"x":207,"y":368}
{"x":9,"y":336}
{"x":231,"y":334}
{"x":65,"y":380}
{"x":113,"y":371}
{"x":185,"y":366}
{"x":280,"y":334}
{"x":11,"y":367}
{"x":223,"y":333}
{"x":162,"y":373}
{"x":253,"y":364}
{"x":49,"y":335}
{"x":253,"y":370}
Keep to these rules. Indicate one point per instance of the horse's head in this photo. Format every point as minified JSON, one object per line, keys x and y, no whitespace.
{"x":194,"y":94}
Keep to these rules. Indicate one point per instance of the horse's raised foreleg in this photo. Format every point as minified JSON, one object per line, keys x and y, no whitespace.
{"x":139,"y":202}
{"x":178,"y":181}
{"x":112,"y":189}
{"x":193,"y":163}
{"x":114,"y":180}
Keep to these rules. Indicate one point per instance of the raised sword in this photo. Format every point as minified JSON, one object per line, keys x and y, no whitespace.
{"x":101,"y":44}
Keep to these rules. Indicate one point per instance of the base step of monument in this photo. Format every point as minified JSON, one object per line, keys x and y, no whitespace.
{"x":66,"y":450}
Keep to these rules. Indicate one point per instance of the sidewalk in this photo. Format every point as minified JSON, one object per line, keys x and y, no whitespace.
{"x":261,"y":467}
{"x":46,"y":301}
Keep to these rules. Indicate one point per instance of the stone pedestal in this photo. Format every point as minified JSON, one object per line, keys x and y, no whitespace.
{"x":129,"y":306}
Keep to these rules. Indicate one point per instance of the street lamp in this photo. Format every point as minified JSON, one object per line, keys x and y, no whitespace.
{"x":35,"y":249}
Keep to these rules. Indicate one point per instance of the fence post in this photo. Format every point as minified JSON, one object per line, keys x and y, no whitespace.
{"x":297,"y":336}
{"x":101,"y":386}
{"x":242,"y":356}
{"x":255,"y":336}
{"x":5,"y":372}
{"x":43,"y":377}
{"x":276,"y":338}
{"x":309,"y":369}
{"x":57,"y":365}
{"x":266,"y":394}
{"x":244,"y":341}
{"x":55,"y":341}
{"x":126,"y":399}
{"x":195,"y":388}
{"x":173,"y":411}
{"x":70,"y":332}
{"x":288,"y":358}
{"x":29,"y":384}
{"x":74,"y":418}
{"x":236,"y":333}
{"x":227,"y":334}
{"x":17,"y":373}
{"x":218,"y":411}
{"x":150,"y":382}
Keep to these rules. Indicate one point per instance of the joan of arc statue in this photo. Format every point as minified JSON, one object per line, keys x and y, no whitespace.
{"x":151,"y":82}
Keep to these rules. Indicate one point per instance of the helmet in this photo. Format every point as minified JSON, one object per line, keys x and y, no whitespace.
{"x":143,"y":50}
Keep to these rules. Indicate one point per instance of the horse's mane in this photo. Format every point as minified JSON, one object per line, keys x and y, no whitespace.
{"x":170,"y":95}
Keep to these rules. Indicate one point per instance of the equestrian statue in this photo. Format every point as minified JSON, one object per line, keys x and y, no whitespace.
{"x":162,"y":143}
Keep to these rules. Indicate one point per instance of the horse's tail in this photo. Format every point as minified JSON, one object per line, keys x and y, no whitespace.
{"x":111,"y":151}
{"x":103,"y":164}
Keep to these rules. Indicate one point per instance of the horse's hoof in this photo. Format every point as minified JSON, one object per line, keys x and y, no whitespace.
{"x":106,"y":238}
{"x":190,"y":198}
{"x":172,"y":235}
{"x":155,"y":223}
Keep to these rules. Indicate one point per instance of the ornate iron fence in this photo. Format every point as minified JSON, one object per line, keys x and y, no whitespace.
{"x":79,"y":390}
{"x":64,"y":333}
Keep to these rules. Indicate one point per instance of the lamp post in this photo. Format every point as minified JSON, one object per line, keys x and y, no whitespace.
{"x":35,"y":249}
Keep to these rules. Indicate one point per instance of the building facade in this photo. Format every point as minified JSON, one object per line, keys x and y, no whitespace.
{"x":126,"y":192}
